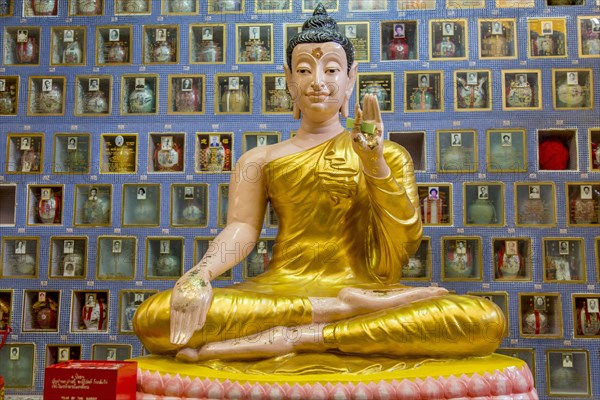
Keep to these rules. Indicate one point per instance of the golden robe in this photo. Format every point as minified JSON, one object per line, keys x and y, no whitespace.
{"x":338,"y":228}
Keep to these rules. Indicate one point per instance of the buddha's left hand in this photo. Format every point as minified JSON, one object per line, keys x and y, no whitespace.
{"x":369,"y":147}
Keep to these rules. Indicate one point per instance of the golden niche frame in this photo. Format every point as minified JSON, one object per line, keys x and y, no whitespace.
{"x":214,"y":152}
{"x":258,"y":259}
{"x":166,"y":152}
{"x":275,"y":94}
{"x":564,"y":260}
{"x":118,"y":153}
{"x":418,"y":266}
{"x":24,"y":153}
{"x":483,"y":203}
{"x":140,"y":204}
{"x":359,"y":34}
{"x":251,"y":140}
{"x":435,"y":199}
{"x":547,"y":38}
{"x":9,"y":95}
{"x":189,"y":205}
{"x":380,"y":84}
{"x":498,"y":39}
{"x":164,"y":257}
{"x":187,"y":94}
{"x":68,"y":45}
{"x":472,"y":90}
{"x":588,"y":29}
{"x":93,"y":95}
{"x":568,"y":373}
{"x":573,"y":89}
{"x":521,"y":90}
{"x":46,"y":95}
{"x":423,"y":91}
{"x":41,"y":311}
{"x":448,"y":39}
{"x":114,"y":45}
{"x":594,"y":148}
{"x":129,"y":301}
{"x":586,"y":315}
{"x":512,"y":259}
{"x":208,"y":43}
{"x":93,"y":205}
{"x":534,"y":204}
{"x":399,"y":40}
{"x":540,"y":315}
{"x":461,"y":258}
{"x":116,"y":258}
{"x":506,"y":150}
{"x":583,"y":203}
{"x":68,"y":257}
{"x":233,"y":93}
{"x":456,"y":150}
{"x":254,"y":43}
{"x":21,"y":254}
{"x":139,"y":94}
{"x":223,"y":197}
{"x":19,"y":357}
{"x":45,"y":205}
{"x":160,"y":44}
{"x":88,"y":304}
{"x":111,"y":351}
{"x":22,"y":45}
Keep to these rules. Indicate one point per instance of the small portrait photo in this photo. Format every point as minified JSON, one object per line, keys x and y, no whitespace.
{"x":482,"y":192}
{"x":350,"y":31}
{"x":399,"y":30}
{"x":261,"y":140}
{"x":592,"y":305}
{"x":188,"y":192}
{"x":186,"y":85}
{"x":141,"y":193}
{"x":69,"y":269}
{"x":113,"y":35}
{"x":497,"y":28}
{"x":90,"y":298}
{"x":25,"y":143}
{"x":14,"y":353}
{"x":595,"y":25}
{"x":116,"y":246}
{"x":506,"y":139}
{"x":511,"y":247}
{"x":472,"y":78}
{"x":547,"y":28}
{"x":448,"y":29}
{"x":63,"y":354}
{"x":111,"y":354}
{"x":534,"y":192}
{"x":461,"y":247}
{"x":456,"y":139}
{"x":138,"y":297}
{"x":93,"y":84}
{"x":140,"y":83}
{"x":72,"y":143}
{"x":254,"y":33}
{"x":93,"y":195}
{"x":207,"y":33}
{"x":539,"y":303}
{"x":22,"y":35}
{"x":280,"y":83}
{"x":166,"y":142}
{"x":20,"y":247}
{"x":423,"y":80}
{"x":68,"y":246}
{"x":521,"y":80}
{"x":2,"y":85}
{"x":68,"y":35}
{"x":434,"y":193}
{"x":586,"y":192}
{"x":45,"y":194}
{"x":234,"y":83}
{"x":42,"y":297}
{"x":572,"y":78}
{"x":567,"y":360}
{"x":46,"y":85}
{"x":165,"y":246}
{"x":160,"y":35}
{"x":563,"y":247}
{"x":215,"y":140}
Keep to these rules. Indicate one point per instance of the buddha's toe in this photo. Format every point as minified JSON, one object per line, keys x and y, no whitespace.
{"x":187,"y":354}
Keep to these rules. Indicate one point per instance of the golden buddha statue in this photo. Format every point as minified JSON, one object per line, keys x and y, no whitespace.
{"x":349,"y":219}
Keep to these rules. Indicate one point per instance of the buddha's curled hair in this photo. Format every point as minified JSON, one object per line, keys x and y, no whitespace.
{"x":320,"y":28}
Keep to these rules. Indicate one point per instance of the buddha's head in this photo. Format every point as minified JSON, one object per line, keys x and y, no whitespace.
{"x":320,"y":68}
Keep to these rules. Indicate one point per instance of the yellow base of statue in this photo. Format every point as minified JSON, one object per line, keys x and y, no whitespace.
{"x":291,"y":377}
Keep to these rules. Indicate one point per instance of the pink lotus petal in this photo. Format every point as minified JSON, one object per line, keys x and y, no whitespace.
{"x":478,"y":387}
{"x":195,"y":389}
{"x":519,"y":381}
{"x":276,"y":392}
{"x":499,"y":384}
{"x":234,"y":391}
{"x":173,"y":386}
{"x":296,"y":392}
{"x":382,"y":391}
{"x":407,"y":390}
{"x":152,"y":383}
{"x":454,"y":387}
{"x":431,"y":389}
{"x":339,"y":392}
{"x":316,"y":392}
{"x":257,"y":392}
{"x":215,"y":390}
{"x":361,"y":392}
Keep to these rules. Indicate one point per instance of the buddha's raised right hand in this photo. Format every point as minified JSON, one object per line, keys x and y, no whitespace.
{"x":190,"y":301}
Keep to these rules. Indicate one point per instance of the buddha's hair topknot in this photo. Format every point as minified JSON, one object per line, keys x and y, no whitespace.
{"x":320,"y":28}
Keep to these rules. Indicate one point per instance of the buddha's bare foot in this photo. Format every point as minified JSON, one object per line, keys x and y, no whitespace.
{"x":270,"y":343}
{"x":366,"y":300}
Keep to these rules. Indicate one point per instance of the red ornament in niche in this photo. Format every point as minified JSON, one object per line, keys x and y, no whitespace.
{"x":553,"y":154}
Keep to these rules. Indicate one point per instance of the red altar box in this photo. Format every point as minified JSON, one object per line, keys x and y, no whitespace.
{"x":91,"y":380}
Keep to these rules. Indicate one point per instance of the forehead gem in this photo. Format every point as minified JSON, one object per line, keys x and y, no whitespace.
{"x":317,"y":53}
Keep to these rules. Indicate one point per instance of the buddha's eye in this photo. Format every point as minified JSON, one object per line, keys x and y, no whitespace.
{"x":303,"y":71}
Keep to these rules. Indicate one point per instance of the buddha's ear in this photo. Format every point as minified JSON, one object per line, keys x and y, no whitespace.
{"x":293,"y":89}
{"x":349,"y":88}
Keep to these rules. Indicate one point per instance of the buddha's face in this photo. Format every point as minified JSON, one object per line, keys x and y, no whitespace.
{"x":318,"y":79}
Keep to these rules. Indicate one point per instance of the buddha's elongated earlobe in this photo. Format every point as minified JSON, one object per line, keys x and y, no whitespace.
{"x":296,"y":110}
{"x":344,"y":108}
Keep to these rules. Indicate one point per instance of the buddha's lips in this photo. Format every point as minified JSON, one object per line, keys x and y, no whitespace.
{"x":318,"y":97}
